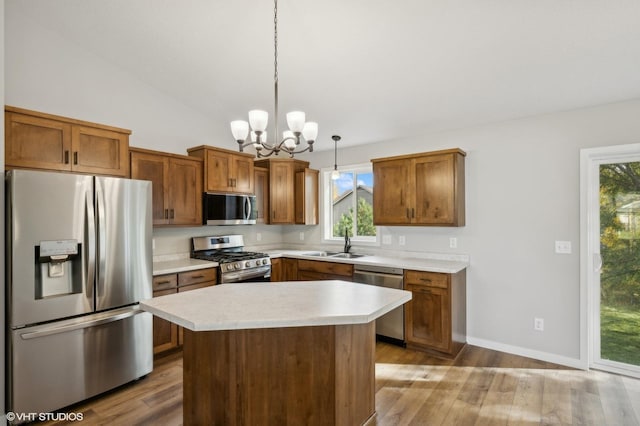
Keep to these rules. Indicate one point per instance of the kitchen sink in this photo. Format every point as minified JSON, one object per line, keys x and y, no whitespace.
{"x":335,"y":254}
{"x":347,"y":255}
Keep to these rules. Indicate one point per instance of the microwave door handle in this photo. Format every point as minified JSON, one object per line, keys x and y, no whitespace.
{"x":247,"y":208}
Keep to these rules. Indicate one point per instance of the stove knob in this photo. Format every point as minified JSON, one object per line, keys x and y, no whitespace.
{"x":247,"y":264}
{"x":264,"y":261}
{"x":229,"y":267}
{"x":236,"y":265}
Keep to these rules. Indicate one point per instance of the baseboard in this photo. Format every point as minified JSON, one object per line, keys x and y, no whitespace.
{"x":529,"y":353}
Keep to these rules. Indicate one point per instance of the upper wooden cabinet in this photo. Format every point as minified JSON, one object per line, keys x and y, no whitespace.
{"x":420,"y":189}
{"x":261,"y":186}
{"x":177,"y":185}
{"x":291,"y":201}
{"x":225,"y":171}
{"x":36,"y":140}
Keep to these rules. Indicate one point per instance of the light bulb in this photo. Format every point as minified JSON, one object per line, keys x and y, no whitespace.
{"x":258,"y":120}
{"x":239,"y":129}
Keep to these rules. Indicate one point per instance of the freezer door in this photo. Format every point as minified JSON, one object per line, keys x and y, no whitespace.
{"x":61,"y":363}
{"x":124,"y":267}
{"x":47,"y":210}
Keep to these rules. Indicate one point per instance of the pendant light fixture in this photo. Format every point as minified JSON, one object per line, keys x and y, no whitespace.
{"x":298,"y":127}
{"x":335,"y":174}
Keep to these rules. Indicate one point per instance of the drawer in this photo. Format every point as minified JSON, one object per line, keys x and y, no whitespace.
{"x":194,"y":286}
{"x":197,"y":276}
{"x":333,"y":268}
{"x":429,"y":279}
{"x":163,"y":282}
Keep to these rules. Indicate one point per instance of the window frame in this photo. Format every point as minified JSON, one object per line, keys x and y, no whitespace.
{"x":327,"y":206}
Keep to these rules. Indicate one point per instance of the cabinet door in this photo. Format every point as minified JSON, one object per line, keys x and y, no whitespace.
{"x":165,"y":333}
{"x":185,"y":192}
{"x":154,"y":168}
{"x":261,"y":185}
{"x":281,"y":203}
{"x":35,"y":142}
{"x":219,"y":165}
{"x":392,"y":192}
{"x":242,"y":174}
{"x":99,"y":151}
{"x":306,"y":197}
{"x":428,"y":317}
{"x":289,"y":269}
{"x":435,"y":190}
{"x":276,"y":270}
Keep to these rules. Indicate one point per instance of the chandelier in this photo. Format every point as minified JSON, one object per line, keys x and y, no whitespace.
{"x":254,"y":132}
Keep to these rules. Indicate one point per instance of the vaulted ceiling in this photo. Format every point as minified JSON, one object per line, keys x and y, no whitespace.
{"x":370,"y":70}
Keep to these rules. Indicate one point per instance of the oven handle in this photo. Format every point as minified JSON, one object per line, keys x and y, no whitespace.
{"x":234,"y":277}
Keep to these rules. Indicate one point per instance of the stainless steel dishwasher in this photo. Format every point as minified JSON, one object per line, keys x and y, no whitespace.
{"x":389,"y":327}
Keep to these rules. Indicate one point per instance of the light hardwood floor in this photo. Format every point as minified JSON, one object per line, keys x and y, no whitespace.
{"x":480,"y":387}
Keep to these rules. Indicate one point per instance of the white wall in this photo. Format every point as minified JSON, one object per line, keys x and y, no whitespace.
{"x":522,"y":194}
{"x":2,"y":260}
{"x":522,"y":184}
{"x":47,"y":73}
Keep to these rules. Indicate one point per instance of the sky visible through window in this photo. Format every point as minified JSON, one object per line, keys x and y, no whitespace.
{"x":345,"y":182}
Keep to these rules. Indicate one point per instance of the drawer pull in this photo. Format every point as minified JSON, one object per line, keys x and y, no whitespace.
{"x":163,"y":282}
{"x":426,"y":280}
{"x":424,"y":290}
{"x":197,"y":276}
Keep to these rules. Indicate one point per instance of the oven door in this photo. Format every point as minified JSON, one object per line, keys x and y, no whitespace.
{"x":253,"y":275}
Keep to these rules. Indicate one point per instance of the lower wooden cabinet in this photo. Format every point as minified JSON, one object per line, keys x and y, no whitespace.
{"x":435,"y":318}
{"x":319,"y":270}
{"x":284,"y":269}
{"x":167,"y":335}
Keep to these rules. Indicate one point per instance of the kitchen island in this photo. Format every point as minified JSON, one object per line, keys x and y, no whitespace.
{"x":280,"y":353}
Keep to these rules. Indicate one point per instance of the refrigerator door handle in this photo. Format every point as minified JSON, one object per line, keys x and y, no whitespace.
{"x":101,"y":221}
{"x":79,"y":325}
{"x":91,"y":246}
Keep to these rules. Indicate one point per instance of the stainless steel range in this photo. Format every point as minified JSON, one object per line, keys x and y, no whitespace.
{"x":236,"y":265}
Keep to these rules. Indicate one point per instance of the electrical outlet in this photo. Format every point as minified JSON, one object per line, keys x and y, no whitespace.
{"x":538,"y":324}
{"x":386,"y":239}
{"x":401,"y":240}
{"x":301,"y":236}
{"x":258,"y":236}
{"x":563,"y":247}
{"x":453,"y":242}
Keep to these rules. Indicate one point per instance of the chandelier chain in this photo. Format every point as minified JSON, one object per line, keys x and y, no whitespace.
{"x":275,"y":65}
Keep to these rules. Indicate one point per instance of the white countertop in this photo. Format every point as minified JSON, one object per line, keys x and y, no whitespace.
{"x":175,"y":266}
{"x":413,"y":263}
{"x":282,"y":304}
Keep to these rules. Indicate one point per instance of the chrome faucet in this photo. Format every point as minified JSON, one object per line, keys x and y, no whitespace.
{"x":347,"y":242}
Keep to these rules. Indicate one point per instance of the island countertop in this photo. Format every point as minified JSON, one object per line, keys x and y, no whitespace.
{"x":272,"y":305}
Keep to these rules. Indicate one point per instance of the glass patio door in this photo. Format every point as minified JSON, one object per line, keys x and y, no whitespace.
{"x":614,"y":236}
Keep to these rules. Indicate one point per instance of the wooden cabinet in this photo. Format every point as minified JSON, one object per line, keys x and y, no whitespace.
{"x":225,"y":171}
{"x":435,"y":318}
{"x":321,"y":270}
{"x":261,"y":186}
{"x":177,"y":185}
{"x":421,"y":189}
{"x":306,"y":197}
{"x":284,"y":269}
{"x":167,"y":335}
{"x":291,"y":200}
{"x":36,"y":140}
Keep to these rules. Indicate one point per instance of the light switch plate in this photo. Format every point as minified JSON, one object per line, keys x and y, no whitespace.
{"x":402,"y":240}
{"x":563,"y":247}
{"x":453,"y":242}
{"x":386,"y":239}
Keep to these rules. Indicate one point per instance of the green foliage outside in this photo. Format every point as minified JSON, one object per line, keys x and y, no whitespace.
{"x":620,"y":278}
{"x":365,"y":221}
{"x":620,"y":340}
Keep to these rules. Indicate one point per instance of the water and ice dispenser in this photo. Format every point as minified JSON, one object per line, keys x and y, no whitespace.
{"x":58,"y":268}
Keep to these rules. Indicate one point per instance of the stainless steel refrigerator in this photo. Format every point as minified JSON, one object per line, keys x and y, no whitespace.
{"x":78,"y":262}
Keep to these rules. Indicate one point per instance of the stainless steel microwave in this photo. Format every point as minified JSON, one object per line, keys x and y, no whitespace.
{"x":228,"y":209}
